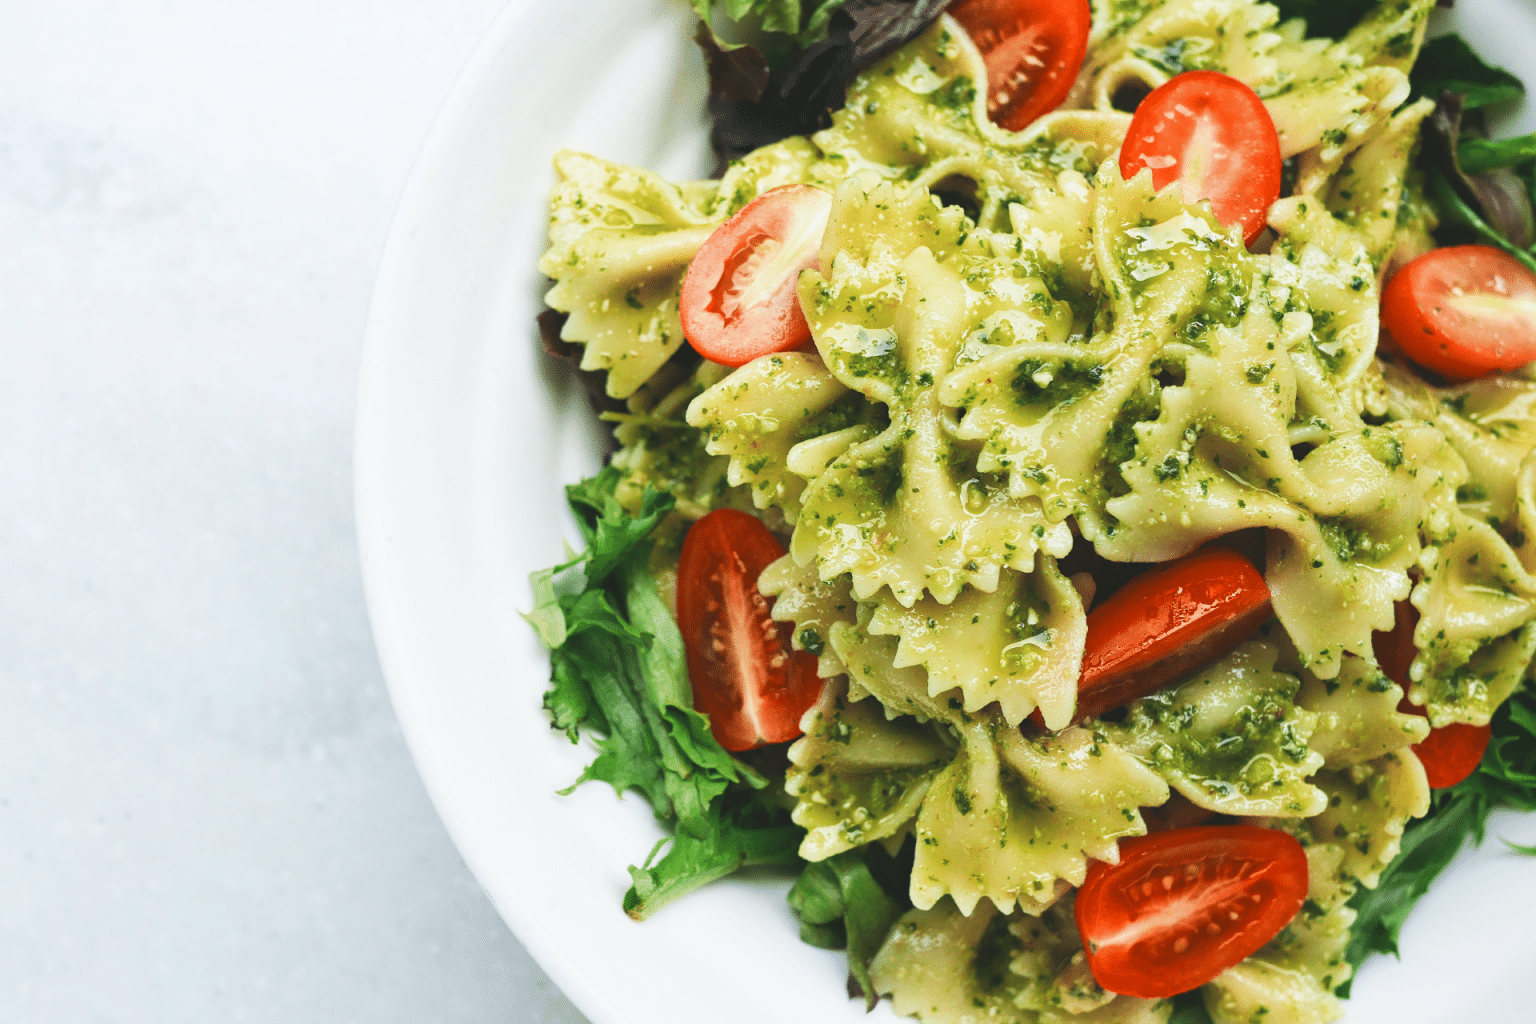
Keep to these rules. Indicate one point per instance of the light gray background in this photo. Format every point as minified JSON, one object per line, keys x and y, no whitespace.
{"x":206,"y":810}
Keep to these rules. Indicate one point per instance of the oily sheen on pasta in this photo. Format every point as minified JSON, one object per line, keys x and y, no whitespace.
{"x":1073,"y":360}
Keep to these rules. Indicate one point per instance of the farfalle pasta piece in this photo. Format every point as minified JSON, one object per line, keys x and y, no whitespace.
{"x":620,"y":240}
{"x":813,"y":605}
{"x":1327,"y":99}
{"x":945,"y":967}
{"x":1007,"y":818}
{"x":658,"y":449}
{"x":1477,"y":594}
{"x":1020,"y":645}
{"x":1366,"y":191}
{"x":1010,"y":817}
{"x":1490,"y":422}
{"x":1231,"y":738}
{"x":758,"y":414}
{"x":906,"y":509}
{"x":856,"y":775}
{"x":1477,"y":625}
{"x":1357,"y":716}
{"x":919,"y":116}
{"x":1368,"y":806}
{"x":1055,"y":414}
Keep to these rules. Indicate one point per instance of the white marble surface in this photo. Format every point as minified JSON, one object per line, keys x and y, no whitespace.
{"x":206,"y":810}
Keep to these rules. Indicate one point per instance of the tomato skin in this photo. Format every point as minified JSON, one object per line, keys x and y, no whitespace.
{"x":1183,"y":906}
{"x":1450,"y":753}
{"x":745,"y":675}
{"x":1167,"y":622}
{"x":739,"y":298}
{"x":1033,"y":50}
{"x":1463,"y":311}
{"x":1214,"y":134}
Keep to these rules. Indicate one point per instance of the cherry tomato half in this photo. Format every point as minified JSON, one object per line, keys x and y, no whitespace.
{"x":1450,"y":753}
{"x":739,"y":298}
{"x":1033,"y":50}
{"x":746,"y":677}
{"x":1183,"y":906}
{"x":1463,"y":311}
{"x":1213,"y":135}
{"x":1166,"y":622}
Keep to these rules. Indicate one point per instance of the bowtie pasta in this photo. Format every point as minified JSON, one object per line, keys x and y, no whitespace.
{"x":1021,"y":359}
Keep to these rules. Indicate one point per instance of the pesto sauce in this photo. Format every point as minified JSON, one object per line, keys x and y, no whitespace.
{"x":1237,"y":754}
{"x":1038,"y":382}
{"x":1144,"y":405}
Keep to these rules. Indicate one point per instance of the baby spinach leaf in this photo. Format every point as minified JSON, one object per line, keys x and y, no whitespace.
{"x":1448,"y":64}
{"x":1479,"y":155}
{"x":1455,"y":212}
{"x":1494,"y":208}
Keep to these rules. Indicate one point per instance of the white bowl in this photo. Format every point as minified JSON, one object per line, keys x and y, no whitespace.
{"x":465,"y":435}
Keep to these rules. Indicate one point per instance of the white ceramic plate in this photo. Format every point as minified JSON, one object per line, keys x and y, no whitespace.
{"x":465,"y":435}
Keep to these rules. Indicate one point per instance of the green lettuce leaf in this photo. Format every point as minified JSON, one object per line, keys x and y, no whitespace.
{"x":745,"y":828}
{"x":1479,"y":155}
{"x":611,"y":534}
{"x":1455,"y":212}
{"x":1505,"y":779}
{"x":847,"y":902}
{"x":805,"y":23}
{"x":618,"y":671}
{"x":1448,"y":64}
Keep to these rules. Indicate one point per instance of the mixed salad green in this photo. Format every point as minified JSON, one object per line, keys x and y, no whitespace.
{"x":619,"y":673}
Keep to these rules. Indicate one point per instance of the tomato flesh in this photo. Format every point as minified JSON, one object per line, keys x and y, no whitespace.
{"x":1450,"y":753}
{"x":1033,"y":50}
{"x":745,"y":675}
{"x":1213,"y":135}
{"x":739,"y":298}
{"x":1167,"y":622}
{"x":1183,"y":906}
{"x":1463,"y":311}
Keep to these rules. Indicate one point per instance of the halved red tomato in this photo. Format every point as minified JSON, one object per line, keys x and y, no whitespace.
{"x":1183,"y":906}
{"x":1033,"y":50}
{"x":1450,"y":753}
{"x":1463,"y":311}
{"x":745,"y":675}
{"x":739,"y":298}
{"x":1213,"y":135}
{"x":1167,"y":622}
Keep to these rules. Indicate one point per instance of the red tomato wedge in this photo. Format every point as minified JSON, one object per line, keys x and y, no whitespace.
{"x":746,"y":677}
{"x":1450,"y":753}
{"x":1167,"y":622}
{"x":1213,"y":135}
{"x":739,"y":298}
{"x":1033,"y":50}
{"x":1183,"y":906}
{"x":1463,"y":311}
